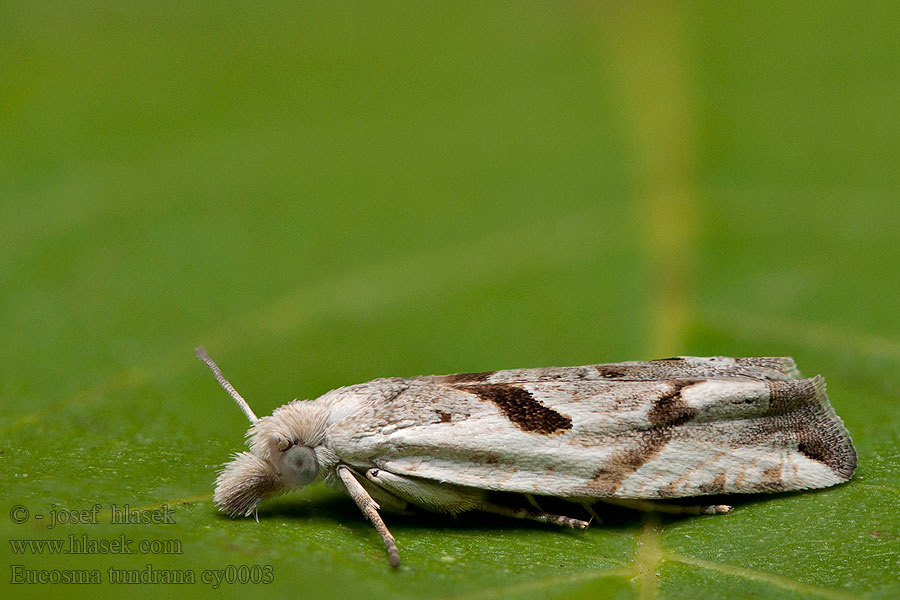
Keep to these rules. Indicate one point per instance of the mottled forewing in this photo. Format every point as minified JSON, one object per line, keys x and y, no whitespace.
{"x":679,"y":367}
{"x":593,"y":437}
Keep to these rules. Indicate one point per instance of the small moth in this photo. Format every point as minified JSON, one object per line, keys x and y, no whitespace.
{"x":625,"y":433}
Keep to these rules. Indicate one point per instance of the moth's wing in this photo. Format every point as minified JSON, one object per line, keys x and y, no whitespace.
{"x":679,"y":367}
{"x":599,"y":438}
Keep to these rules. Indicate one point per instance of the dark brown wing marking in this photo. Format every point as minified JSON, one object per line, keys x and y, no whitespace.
{"x":716,"y":486}
{"x":468,"y":377}
{"x":611,"y":372}
{"x":521,"y":408}
{"x":668,"y":410}
{"x":823,"y":440}
{"x":819,"y":434}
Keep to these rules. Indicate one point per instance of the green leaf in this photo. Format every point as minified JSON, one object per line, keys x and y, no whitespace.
{"x":326,"y":194}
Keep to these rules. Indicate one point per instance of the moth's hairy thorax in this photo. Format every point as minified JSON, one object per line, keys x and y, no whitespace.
{"x":308,"y":422}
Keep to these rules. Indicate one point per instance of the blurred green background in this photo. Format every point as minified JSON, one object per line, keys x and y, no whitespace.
{"x":326,"y":193}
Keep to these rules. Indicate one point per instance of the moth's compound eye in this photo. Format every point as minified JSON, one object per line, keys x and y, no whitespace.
{"x":299,"y":465}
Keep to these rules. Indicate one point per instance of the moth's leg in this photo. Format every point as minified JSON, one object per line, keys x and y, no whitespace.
{"x":427,"y":494}
{"x":674,"y":509}
{"x":585,"y":505}
{"x":524,"y":513}
{"x":534,"y":516}
{"x":533,"y":502}
{"x":589,"y":508}
{"x":370,"y":509}
{"x":431,"y":495}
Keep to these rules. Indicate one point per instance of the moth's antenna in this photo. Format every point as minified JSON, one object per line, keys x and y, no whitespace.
{"x":202,"y":355}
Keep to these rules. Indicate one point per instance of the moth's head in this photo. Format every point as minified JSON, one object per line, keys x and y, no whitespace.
{"x":290,"y":441}
{"x":282,"y":453}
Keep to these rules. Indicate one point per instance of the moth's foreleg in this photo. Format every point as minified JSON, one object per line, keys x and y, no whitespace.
{"x":673,"y":509}
{"x":524,"y":513}
{"x":370,"y":508}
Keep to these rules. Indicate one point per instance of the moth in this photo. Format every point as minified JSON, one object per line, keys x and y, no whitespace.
{"x":628,"y":433}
